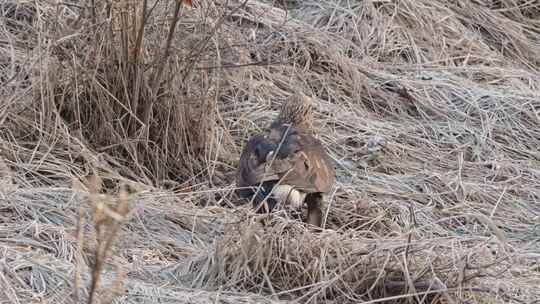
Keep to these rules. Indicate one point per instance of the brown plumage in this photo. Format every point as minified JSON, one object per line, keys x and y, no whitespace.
{"x":287,"y":165}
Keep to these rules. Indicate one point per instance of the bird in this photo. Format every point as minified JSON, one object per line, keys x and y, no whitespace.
{"x":286,"y":164}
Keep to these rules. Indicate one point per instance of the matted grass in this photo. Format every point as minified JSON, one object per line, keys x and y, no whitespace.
{"x":430,"y":109}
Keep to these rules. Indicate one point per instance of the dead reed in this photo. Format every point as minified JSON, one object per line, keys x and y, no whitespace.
{"x":430,"y":109}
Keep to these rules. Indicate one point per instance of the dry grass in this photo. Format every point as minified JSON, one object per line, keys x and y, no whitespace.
{"x":430,"y":108}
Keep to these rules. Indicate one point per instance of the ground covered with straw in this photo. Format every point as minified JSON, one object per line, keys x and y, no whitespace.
{"x":121,"y":125}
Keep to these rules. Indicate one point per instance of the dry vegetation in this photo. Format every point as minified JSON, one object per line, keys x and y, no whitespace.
{"x":430,"y":108}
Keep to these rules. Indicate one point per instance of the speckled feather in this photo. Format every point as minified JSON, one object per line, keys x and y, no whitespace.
{"x":286,"y":159}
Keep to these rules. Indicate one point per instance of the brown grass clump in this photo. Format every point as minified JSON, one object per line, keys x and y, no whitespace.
{"x":430,"y":110}
{"x":354,"y":266}
{"x":117,"y":84}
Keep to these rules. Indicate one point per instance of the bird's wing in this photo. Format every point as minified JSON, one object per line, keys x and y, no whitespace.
{"x":307,"y":169}
{"x":251,"y":165}
{"x":301,"y":161}
{"x":298,"y":160}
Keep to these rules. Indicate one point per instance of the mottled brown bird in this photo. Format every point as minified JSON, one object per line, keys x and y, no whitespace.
{"x":286,"y":164}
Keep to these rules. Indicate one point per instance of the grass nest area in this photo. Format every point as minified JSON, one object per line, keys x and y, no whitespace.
{"x":121,"y":125}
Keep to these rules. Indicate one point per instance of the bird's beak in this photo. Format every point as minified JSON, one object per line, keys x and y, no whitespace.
{"x":269,"y":156}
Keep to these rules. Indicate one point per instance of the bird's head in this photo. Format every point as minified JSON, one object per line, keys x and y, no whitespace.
{"x":297,"y":111}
